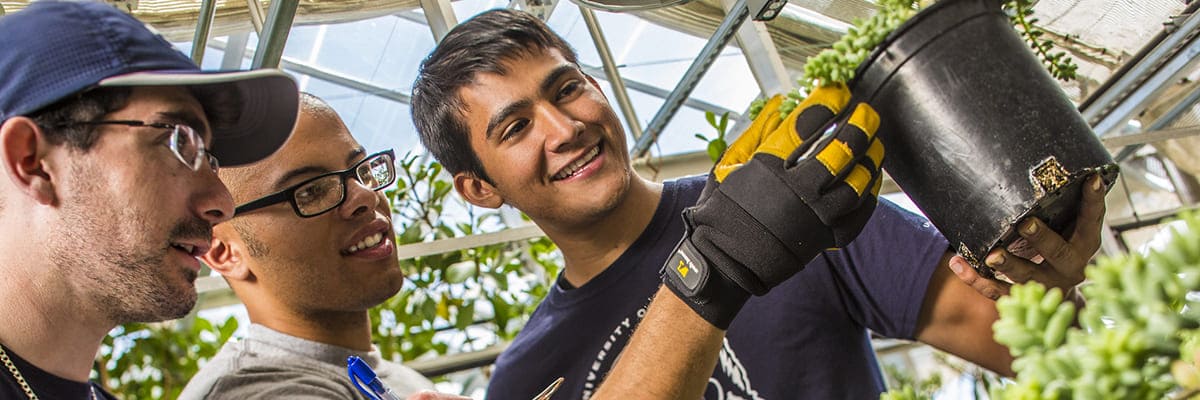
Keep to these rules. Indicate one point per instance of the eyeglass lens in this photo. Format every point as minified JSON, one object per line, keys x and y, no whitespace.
{"x":376,"y":172}
{"x":328,"y":192}
{"x":188,"y":146}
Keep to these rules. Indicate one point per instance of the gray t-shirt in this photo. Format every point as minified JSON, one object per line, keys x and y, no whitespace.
{"x":268,"y":364}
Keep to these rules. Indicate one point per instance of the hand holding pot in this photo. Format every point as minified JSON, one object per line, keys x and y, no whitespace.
{"x":785,"y":190}
{"x":1051,"y":259}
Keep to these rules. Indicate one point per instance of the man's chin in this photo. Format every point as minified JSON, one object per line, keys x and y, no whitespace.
{"x":381,"y":295}
{"x":166,"y":310}
{"x":181,"y":307}
{"x":181,"y":299}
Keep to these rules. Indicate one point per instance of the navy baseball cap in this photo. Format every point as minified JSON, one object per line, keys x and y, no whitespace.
{"x":54,"y":49}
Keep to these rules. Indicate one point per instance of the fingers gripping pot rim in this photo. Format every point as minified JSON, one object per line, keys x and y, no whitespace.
{"x":784,"y":191}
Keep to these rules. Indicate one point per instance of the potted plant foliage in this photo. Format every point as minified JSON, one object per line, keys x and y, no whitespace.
{"x":1138,"y":337}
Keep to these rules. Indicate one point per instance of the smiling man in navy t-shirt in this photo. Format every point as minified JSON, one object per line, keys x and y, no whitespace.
{"x":504,"y":106}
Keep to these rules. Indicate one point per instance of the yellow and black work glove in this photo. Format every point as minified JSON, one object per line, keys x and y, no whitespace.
{"x":784,"y":191}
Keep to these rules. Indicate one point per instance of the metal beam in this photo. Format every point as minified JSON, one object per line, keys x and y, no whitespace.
{"x":439,"y":15}
{"x":345,"y":81}
{"x":255,"y":12}
{"x":610,"y":71}
{"x":1150,"y":137}
{"x":663,"y":93}
{"x":442,"y":365}
{"x":203,"y":24}
{"x":235,"y":51}
{"x":328,"y":76}
{"x":1143,"y":82}
{"x":1149,"y":219}
{"x":1167,"y":118}
{"x":1186,"y":186}
{"x":413,"y":250}
{"x":628,"y":83}
{"x":684,"y":88}
{"x":538,"y":8}
{"x":275,"y":34}
{"x":761,"y":55}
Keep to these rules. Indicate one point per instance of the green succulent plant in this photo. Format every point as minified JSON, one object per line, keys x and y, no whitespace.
{"x":1137,"y":338}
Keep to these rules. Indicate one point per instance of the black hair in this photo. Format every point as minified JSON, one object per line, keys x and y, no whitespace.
{"x":90,"y":105}
{"x":480,"y":44}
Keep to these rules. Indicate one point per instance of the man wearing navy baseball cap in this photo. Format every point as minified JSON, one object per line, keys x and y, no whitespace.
{"x":110,"y":141}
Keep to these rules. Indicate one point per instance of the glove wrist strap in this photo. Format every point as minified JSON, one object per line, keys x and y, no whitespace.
{"x":688,"y":274}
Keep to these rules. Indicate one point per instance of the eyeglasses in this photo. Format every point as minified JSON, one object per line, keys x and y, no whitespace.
{"x":319,"y":194}
{"x":185,"y":142}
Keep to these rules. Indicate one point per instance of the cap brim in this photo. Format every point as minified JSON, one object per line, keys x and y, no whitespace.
{"x":269,"y":105}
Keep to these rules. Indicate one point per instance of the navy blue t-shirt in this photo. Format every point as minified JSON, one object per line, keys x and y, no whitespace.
{"x":806,"y":339}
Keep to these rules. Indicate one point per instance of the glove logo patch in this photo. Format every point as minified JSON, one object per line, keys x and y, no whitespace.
{"x":684,"y":267}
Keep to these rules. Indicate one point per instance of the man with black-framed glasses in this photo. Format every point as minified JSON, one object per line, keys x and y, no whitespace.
{"x":310,"y":249}
{"x":109,"y":140}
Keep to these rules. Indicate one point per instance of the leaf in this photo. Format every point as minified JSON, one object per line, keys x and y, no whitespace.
{"x":445,"y":231}
{"x":428,"y":309}
{"x":412,"y":234}
{"x":443,"y":307}
{"x":501,"y":309}
{"x":435,"y":168}
{"x":711,"y":118}
{"x":465,"y":316}
{"x":715,"y":149}
{"x":459,"y":273}
{"x":201,"y":325}
{"x":228,"y":328}
{"x":440,"y":189}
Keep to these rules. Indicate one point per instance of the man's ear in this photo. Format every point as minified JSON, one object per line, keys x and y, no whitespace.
{"x":23,"y":151}
{"x":477,"y":191}
{"x":227,"y":257}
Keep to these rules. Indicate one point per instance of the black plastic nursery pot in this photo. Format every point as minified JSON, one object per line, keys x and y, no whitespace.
{"x":977,"y":132}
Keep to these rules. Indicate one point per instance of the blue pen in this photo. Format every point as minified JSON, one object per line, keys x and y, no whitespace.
{"x":359,"y":371}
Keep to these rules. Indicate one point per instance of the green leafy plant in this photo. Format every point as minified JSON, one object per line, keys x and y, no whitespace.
{"x":1137,"y":338}
{"x":716,"y":145}
{"x":1058,"y":63}
{"x":155,"y":361}
{"x":909,"y":387}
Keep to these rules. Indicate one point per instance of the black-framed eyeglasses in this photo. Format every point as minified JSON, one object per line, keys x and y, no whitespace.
{"x":319,"y":194}
{"x":185,"y":142}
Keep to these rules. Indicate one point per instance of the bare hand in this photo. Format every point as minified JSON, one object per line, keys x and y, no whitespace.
{"x":1055,"y":262}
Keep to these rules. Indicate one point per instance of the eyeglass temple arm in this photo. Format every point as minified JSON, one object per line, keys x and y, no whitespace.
{"x":263,"y":202}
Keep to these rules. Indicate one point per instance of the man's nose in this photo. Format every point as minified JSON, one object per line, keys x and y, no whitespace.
{"x":562,"y":129}
{"x":213,"y":203}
